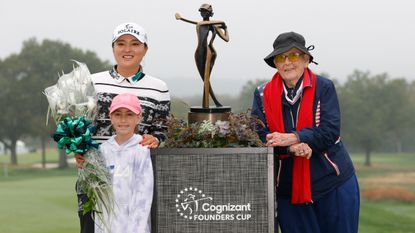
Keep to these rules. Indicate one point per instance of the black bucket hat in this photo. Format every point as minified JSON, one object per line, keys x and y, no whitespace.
{"x":285,"y":42}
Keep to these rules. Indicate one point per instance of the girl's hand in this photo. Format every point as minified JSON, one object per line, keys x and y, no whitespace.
{"x":80,"y":160}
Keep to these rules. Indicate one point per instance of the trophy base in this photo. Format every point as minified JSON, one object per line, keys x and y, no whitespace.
{"x":212,"y":114}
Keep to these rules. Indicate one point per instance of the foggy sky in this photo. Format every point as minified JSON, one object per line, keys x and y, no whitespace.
{"x":375,"y":36}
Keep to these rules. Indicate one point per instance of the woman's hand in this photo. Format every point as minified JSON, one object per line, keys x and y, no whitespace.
{"x":150,"y":141}
{"x":281,"y":139}
{"x":301,"y":149}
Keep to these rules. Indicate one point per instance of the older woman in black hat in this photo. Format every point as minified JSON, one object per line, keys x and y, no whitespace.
{"x":317,"y":189}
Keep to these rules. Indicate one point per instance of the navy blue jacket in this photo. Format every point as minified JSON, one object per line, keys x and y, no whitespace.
{"x":330,"y":163}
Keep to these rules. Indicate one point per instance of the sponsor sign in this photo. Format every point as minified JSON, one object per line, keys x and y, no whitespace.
{"x":213,"y":190}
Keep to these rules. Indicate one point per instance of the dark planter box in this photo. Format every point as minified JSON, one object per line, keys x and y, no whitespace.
{"x":207,"y":190}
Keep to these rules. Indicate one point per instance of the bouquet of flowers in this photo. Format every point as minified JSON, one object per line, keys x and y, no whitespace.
{"x":72,"y":104}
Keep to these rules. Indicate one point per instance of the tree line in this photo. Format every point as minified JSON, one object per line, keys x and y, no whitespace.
{"x":377,"y":110}
{"x":23,"y":77}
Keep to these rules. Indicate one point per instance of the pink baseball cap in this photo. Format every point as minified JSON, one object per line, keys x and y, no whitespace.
{"x":126,"y":100}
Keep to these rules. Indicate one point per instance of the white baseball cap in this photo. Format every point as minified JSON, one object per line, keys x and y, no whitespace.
{"x":131,"y":29}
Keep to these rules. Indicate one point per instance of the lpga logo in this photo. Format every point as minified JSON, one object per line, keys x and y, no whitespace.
{"x":193,"y":204}
{"x":188,"y":200}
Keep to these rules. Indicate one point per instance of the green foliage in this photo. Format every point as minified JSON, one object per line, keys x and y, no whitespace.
{"x":23,"y":77}
{"x":361,"y":107}
{"x":375,"y":111}
{"x":95,"y":181}
{"x":238,"y":131}
{"x":399,"y":112}
{"x":15,"y":91}
{"x":245,"y":98}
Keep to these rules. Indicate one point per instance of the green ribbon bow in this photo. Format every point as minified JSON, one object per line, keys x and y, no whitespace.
{"x":75,"y":135}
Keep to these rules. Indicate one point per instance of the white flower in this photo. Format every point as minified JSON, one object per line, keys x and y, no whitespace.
{"x":73,"y":95}
{"x":207,"y":128}
{"x":223,"y":128}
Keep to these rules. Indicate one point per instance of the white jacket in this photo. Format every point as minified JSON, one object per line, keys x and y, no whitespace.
{"x":132,"y":179}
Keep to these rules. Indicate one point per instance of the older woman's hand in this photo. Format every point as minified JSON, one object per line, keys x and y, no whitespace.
{"x":150,"y":141}
{"x":301,"y":149}
{"x":281,"y":139}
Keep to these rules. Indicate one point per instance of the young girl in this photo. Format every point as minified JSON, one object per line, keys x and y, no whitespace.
{"x":130,"y":165}
{"x":129,"y":45}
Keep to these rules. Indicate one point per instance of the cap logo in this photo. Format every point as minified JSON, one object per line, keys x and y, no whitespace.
{"x":129,"y":28}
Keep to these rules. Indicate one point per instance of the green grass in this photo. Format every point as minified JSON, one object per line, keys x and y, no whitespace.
{"x":31,"y":158}
{"x":44,"y":201}
{"x":387,"y":217}
{"x":403,"y":160}
{"x":383,"y":164}
{"x":39,"y":202}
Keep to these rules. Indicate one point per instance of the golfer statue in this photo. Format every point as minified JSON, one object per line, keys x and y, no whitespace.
{"x":205,"y":54}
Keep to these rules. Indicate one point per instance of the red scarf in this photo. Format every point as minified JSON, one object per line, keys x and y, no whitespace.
{"x":273,"y":94}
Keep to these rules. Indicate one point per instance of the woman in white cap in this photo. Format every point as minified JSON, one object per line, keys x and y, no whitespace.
{"x":129,"y":46}
{"x":316,"y":185}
